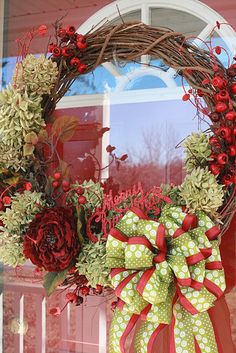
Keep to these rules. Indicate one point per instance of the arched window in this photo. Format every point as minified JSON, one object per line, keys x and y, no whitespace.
{"x":123,"y":90}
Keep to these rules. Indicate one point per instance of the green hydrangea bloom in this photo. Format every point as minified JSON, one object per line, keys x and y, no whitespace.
{"x":92,"y":264}
{"x":197,"y":151}
{"x":201,"y":192}
{"x":20,"y":114}
{"x":36,"y":75}
{"x":15,"y":220}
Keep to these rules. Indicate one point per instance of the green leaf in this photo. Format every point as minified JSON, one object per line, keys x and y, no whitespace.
{"x":31,"y":138}
{"x":53,"y":279}
{"x":42,"y":135}
{"x":12,"y":181}
{"x":64,"y":168}
{"x":28,"y":149}
{"x":64,"y":127}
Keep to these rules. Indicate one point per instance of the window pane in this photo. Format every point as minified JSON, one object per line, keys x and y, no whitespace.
{"x":177,"y":20}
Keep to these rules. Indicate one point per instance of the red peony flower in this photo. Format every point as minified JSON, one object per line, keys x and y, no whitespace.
{"x":51,"y":240}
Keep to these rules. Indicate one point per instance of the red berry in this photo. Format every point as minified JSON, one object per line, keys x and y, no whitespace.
{"x":82,"y":200}
{"x":200,"y":93}
{"x":6,"y":200}
{"x":234,"y":131}
{"x":223,"y":95}
{"x":215,"y":169}
{"x":61,"y":32}
{"x":65,"y":185}
{"x":66,"y":52}
{"x":215,"y":117}
{"x":205,"y":81}
{"x":233,"y":88}
{"x":98,"y":289}
{"x":230,"y":115}
{"x":56,"y":52}
{"x":214,"y":140}
{"x":82,"y":68}
{"x":72,"y":270}
{"x":57,"y":176}
{"x":42,"y":30}
{"x":70,"y":30}
{"x":75,"y":62}
{"x":224,"y":132}
{"x":231,"y":71}
{"x":28,"y":186}
{"x":114,"y":305}
{"x":55,"y":184}
{"x":229,"y":139}
{"x":222,"y":158}
{"x":228,"y":179}
{"x":213,"y":156}
{"x":186,"y":97}
{"x":81,"y":43}
{"x":80,"y":190}
{"x":218,"y":50}
{"x":221,"y":107}
{"x":71,"y":297}
{"x":217,"y":82}
{"x":79,"y":300}
{"x":84,"y":290}
{"x":232,"y":150}
{"x":51,"y":47}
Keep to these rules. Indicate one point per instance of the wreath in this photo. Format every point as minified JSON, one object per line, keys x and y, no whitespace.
{"x":158,"y":250}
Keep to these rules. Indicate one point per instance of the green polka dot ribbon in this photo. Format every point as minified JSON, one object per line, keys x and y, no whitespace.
{"x":165,"y":272}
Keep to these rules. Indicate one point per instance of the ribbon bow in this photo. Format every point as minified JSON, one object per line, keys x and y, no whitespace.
{"x":165,"y":272}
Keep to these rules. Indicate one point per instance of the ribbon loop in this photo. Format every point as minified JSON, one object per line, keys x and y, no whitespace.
{"x":154,"y":262}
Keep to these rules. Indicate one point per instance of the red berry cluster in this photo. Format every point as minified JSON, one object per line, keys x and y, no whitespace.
{"x":82,"y":289}
{"x":58,"y":182}
{"x":70,"y":46}
{"x":223,"y":142}
{"x":81,"y":198}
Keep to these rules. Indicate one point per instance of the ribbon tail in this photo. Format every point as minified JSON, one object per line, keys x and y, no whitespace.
{"x":191,"y":333}
{"x":182,"y":337}
{"x":204,"y":333}
{"x":121,"y":326}
{"x":146,"y":335}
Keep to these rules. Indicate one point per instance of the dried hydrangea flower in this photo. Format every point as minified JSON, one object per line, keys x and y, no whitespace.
{"x":16,"y":219}
{"x":92,"y":264}
{"x":201,"y":192}
{"x":36,"y":75}
{"x":11,"y":158}
{"x":197,"y":150}
{"x":19,"y":115}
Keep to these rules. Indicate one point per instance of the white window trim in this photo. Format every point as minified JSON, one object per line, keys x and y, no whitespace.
{"x":123,"y":97}
{"x":193,"y":7}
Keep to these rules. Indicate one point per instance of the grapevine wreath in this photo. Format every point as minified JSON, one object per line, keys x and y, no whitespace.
{"x":158,"y":250}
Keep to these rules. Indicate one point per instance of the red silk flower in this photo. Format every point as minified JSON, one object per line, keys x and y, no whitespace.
{"x":51,"y":241}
